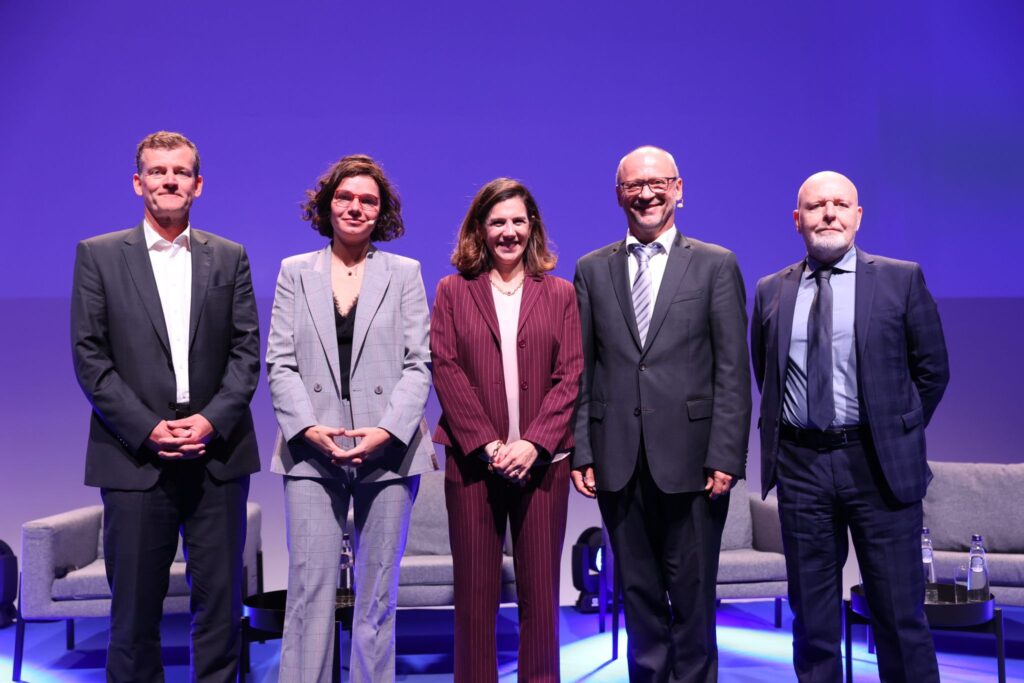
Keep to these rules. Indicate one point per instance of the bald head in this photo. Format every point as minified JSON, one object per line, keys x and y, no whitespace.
{"x":827,"y":179}
{"x":648,"y":155}
{"x":827,"y":215}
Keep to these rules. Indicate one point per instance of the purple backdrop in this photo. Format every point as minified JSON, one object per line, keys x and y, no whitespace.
{"x":919,"y":103}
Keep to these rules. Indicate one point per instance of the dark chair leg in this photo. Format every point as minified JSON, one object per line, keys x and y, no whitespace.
{"x":848,"y":631}
{"x":1000,"y":646}
{"x":69,"y":634}
{"x":870,"y":635}
{"x":336,"y":668}
{"x":616,"y":604}
{"x":778,"y":612}
{"x":259,"y":572}
{"x":19,"y":648}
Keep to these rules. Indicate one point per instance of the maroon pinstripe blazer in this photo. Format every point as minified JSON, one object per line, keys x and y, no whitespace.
{"x":465,"y":345}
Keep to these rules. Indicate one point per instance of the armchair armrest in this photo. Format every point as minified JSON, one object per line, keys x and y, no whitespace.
{"x":65,"y":541}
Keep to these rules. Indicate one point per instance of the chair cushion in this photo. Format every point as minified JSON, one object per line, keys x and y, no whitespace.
{"x":90,"y":583}
{"x":739,"y":530}
{"x":739,"y":566}
{"x":976,"y":498}
{"x":428,"y":525}
{"x":1004,"y":569}
{"x":436,"y":570}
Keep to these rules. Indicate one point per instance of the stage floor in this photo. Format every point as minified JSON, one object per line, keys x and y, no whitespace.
{"x":751,"y":650}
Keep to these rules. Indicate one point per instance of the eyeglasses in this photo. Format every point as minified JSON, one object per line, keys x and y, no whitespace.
{"x":369,"y":202}
{"x":657,"y":185}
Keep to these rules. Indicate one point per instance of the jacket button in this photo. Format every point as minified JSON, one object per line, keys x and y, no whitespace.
{"x":317,"y":387}
{"x":636,"y":411}
{"x":522,"y":343}
{"x":643,"y":367}
{"x":378,"y":390}
{"x":524,"y":386}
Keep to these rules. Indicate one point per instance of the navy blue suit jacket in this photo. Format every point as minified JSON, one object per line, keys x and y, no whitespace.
{"x":902,"y":366}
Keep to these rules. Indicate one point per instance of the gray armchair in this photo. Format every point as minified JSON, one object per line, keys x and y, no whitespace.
{"x":63,"y":576}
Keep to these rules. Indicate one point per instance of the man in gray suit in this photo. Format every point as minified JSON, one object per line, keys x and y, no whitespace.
{"x":165,"y":344}
{"x":663,"y":418}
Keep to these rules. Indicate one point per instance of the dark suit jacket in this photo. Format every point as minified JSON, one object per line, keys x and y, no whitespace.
{"x":687,"y":390}
{"x":902,"y":367}
{"x":123,"y":361}
{"x":465,"y":345}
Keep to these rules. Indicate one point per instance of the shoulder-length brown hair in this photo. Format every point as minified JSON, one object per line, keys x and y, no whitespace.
{"x":317,"y":207}
{"x":471,"y":257}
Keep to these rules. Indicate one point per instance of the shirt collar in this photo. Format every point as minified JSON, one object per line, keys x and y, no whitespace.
{"x":665,"y":239}
{"x":155,"y":241}
{"x":846,"y":264}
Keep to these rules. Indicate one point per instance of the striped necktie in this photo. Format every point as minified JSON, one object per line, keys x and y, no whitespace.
{"x":642,"y":289}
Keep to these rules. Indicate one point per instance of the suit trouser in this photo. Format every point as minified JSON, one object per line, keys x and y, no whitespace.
{"x":479,"y":503}
{"x":821,"y":495}
{"x":140,"y":539}
{"x":666,"y":546}
{"x":316,"y":511}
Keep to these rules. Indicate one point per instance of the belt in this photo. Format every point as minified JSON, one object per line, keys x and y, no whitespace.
{"x":181,"y":410}
{"x":824,"y":440}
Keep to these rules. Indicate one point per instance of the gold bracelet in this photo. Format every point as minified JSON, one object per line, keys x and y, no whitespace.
{"x":494,"y":454}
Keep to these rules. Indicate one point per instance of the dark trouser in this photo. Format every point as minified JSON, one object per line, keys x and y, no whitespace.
{"x":821,"y":495}
{"x":140,"y":538}
{"x":666,"y":546}
{"x":479,"y":503}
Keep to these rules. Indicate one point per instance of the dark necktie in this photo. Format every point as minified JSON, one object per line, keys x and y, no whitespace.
{"x":821,"y":407}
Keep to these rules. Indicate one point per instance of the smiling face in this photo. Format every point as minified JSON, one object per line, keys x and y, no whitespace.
{"x":168,"y":185}
{"x":648,"y":212}
{"x":354,"y":210}
{"x":827,"y":215}
{"x":506,"y":232}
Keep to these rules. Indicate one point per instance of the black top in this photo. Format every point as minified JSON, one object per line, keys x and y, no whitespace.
{"x":345,"y":325}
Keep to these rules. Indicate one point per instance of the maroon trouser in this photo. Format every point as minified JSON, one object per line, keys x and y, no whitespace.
{"x":479,"y":503}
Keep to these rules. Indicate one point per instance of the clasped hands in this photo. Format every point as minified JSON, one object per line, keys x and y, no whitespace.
{"x":512,"y":461}
{"x":183,"y":439}
{"x":370,"y":439}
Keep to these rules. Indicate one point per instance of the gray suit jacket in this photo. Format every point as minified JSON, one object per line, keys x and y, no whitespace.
{"x":123,"y":361}
{"x":686,"y":391}
{"x":389,"y":378}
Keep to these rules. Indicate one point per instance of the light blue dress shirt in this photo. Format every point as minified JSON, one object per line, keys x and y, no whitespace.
{"x":844,"y":350}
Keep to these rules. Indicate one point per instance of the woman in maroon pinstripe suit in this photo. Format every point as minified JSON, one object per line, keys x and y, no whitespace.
{"x":505,"y":342}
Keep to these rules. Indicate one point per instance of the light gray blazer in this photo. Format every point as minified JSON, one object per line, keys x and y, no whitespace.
{"x":389,"y":378}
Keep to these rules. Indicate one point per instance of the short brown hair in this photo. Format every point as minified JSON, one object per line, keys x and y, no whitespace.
{"x":165,"y":139}
{"x":317,"y":207}
{"x":471,"y":256}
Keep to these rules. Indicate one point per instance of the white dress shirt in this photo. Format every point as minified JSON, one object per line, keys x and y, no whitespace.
{"x":657,"y":263}
{"x":172,"y":268}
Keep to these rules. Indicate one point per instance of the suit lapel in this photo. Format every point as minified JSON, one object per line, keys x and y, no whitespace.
{"x":376,"y":278}
{"x":678,"y":261}
{"x":864,"y":292}
{"x":532,"y":289}
{"x":201,"y":259}
{"x":316,"y":288}
{"x":480,"y":292}
{"x":786,"y":306}
{"x":618,"y":265}
{"x":136,"y":257}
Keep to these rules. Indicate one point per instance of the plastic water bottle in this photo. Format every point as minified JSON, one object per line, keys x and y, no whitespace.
{"x":931,"y":589}
{"x":977,"y":574}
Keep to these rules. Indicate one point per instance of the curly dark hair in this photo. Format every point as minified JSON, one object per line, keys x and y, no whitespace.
{"x":317,"y":207}
{"x":471,"y":256}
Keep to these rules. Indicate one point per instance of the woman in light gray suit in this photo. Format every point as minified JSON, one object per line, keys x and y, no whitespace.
{"x":347,"y":362}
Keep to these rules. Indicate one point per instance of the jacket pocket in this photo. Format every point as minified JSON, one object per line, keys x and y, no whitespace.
{"x":699,"y":409}
{"x":912,"y":419}
{"x":688,"y":295}
{"x":597,"y":409}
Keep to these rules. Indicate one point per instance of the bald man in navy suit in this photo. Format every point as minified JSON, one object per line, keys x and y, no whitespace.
{"x":849,"y":355}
